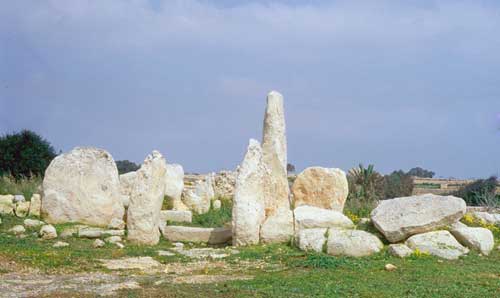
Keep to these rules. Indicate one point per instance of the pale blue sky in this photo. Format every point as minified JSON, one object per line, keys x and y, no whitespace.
{"x":394,"y":83}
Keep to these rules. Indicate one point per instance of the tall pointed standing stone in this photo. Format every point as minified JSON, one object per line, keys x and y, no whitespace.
{"x":248,"y":202}
{"x":278,"y":226}
{"x":146,"y":199}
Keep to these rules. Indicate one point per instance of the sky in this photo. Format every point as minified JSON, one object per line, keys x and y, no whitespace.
{"x":397,"y":84}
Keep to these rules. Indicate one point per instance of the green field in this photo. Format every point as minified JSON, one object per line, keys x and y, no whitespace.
{"x":274,"y":271}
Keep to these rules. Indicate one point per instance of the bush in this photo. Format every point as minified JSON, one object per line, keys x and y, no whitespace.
{"x":480,"y":192}
{"x":126,"y":166}
{"x":24,"y":154}
{"x":422,"y":173}
{"x":26,"y":186}
{"x":397,"y":184}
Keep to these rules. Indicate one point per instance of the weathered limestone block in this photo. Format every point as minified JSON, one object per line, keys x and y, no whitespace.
{"x":248,"y":202}
{"x":490,"y":218}
{"x":438,"y":243}
{"x":176,"y":216}
{"x":36,"y":205}
{"x":22,"y":208}
{"x":321,"y":187}
{"x":308,"y":217}
{"x":174,"y":185}
{"x":479,"y":239}
{"x":312,"y":239}
{"x":400,"y":218}
{"x":354,"y":243}
{"x":195,"y":234}
{"x":7,"y":204}
{"x":277,"y":228}
{"x":48,"y":232}
{"x":143,"y":217}
{"x":82,"y":186}
{"x":274,"y":155}
{"x":127,"y":182}
{"x":199,"y":198}
{"x":32,"y":223}
{"x":400,"y":250}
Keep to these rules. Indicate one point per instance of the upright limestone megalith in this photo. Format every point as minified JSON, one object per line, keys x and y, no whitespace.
{"x":278,"y":226}
{"x":82,"y":186}
{"x":174,"y":185}
{"x":143,"y":217}
{"x":248,"y":201}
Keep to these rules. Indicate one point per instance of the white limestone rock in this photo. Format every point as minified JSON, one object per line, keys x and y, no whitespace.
{"x":82,"y":186}
{"x":60,"y":244}
{"x":127,"y":183}
{"x":48,"y":232}
{"x":22,"y":208}
{"x":36,"y":205}
{"x":174,"y":185}
{"x":113,"y":239}
{"x":143,"y":216}
{"x":33,"y":223}
{"x":278,"y":228}
{"x":197,"y":235}
{"x":17,"y":230}
{"x":116,"y":224}
{"x":248,"y":202}
{"x":274,"y":157}
{"x":399,"y":218}
{"x":353,"y":243}
{"x":7,"y":204}
{"x":199,"y":198}
{"x":321,"y":187}
{"x":312,"y":239}
{"x":489,"y":218}
{"x":217,"y":204}
{"x":400,"y":250}
{"x":479,"y":239}
{"x":308,"y":217}
{"x":438,"y":243}
{"x":98,"y":243}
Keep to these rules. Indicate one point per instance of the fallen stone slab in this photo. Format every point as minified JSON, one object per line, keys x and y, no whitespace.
{"x":399,"y":218}
{"x":353,"y":243}
{"x":438,"y":243}
{"x":312,"y":239}
{"x":202,"y":253}
{"x":32,"y":223}
{"x":176,"y":216}
{"x":195,"y":234}
{"x":141,"y":263}
{"x":479,"y":239}
{"x":165,"y":253}
{"x":93,"y":233}
{"x":308,"y":217}
{"x":400,"y":250}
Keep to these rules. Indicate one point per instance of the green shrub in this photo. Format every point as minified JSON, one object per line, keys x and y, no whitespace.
{"x":126,"y":166}
{"x":26,"y":186}
{"x":213,"y":218}
{"x":479,"y":192}
{"x":24,"y":154}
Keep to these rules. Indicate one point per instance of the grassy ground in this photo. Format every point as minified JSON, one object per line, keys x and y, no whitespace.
{"x":213,"y":218}
{"x":288,"y":271}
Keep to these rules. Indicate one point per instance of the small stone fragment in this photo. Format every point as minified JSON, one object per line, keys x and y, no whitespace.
{"x":60,"y":244}
{"x":17,"y":230}
{"x":217,"y":204}
{"x":36,"y":205}
{"x":164,"y":253}
{"x":22,"y":208}
{"x":98,"y":243}
{"x":113,"y":239}
{"x":390,"y":267}
{"x":48,"y":232}
{"x":400,"y":250}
